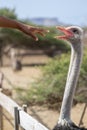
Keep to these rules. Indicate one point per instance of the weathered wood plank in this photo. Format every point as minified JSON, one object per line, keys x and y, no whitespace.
{"x":30,"y":123}
{"x":26,"y":121}
{"x":8,"y":103}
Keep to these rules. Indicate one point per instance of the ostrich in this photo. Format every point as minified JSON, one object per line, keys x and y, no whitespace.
{"x":74,"y":36}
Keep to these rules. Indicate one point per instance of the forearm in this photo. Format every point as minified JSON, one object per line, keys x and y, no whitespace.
{"x":27,"y":29}
{"x":8,"y":23}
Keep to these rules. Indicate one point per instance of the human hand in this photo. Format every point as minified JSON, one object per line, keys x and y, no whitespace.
{"x":32,"y":31}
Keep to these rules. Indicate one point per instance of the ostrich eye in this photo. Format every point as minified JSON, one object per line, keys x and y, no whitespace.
{"x":75,"y":31}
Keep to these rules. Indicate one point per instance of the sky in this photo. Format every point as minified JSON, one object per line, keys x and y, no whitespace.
{"x":67,"y":11}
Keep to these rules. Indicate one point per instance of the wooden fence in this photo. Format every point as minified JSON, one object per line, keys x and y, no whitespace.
{"x":21,"y":118}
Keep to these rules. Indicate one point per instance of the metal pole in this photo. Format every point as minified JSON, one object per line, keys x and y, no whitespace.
{"x":16,"y":118}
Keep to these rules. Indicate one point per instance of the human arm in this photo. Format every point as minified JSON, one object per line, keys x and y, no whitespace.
{"x":27,"y":29}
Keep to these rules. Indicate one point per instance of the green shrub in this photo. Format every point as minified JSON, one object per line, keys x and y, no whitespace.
{"x":49,"y":88}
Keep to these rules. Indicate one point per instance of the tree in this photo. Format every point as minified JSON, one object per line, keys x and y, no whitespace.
{"x":10,"y":13}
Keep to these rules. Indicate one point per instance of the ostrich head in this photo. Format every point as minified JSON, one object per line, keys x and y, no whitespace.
{"x":73,"y":34}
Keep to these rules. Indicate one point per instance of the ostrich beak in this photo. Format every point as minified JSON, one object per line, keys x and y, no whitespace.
{"x":66,"y":31}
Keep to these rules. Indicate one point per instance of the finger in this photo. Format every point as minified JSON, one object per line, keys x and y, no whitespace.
{"x":57,"y":37}
{"x":47,"y":31}
{"x":57,"y":27}
{"x":42,"y":34}
{"x":43,"y":30}
{"x":39,"y":30}
{"x":33,"y":36}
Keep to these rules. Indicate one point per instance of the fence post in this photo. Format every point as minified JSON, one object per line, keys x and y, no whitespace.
{"x":1,"y":80}
{"x":1,"y":109}
{"x":25,"y":109}
{"x":80,"y":122}
{"x":16,"y":118}
{"x":1,"y":118}
{"x":15,"y":62}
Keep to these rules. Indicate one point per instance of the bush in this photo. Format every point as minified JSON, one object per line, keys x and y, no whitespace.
{"x":50,"y":87}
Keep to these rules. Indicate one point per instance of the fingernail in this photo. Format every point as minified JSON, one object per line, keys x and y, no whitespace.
{"x":48,"y":31}
{"x":36,"y":39}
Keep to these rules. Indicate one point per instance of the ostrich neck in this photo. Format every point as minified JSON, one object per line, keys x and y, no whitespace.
{"x":73,"y":74}
{"x":70,"y":66}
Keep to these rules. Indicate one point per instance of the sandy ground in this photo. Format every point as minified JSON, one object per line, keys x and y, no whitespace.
{"x":44,"y":115}
{"x":21,"y":78}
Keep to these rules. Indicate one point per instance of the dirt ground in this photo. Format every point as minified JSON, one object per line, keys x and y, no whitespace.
{"x":43,"y":114}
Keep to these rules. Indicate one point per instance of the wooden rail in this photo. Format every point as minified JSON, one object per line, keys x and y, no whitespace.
{"x":25,"y":120}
